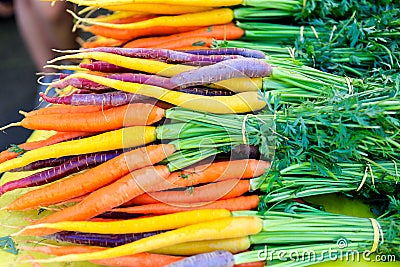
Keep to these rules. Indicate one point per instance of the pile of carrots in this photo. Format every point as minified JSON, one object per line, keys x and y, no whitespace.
{"x":117,"y":29}
{"x":105,"y":163}
{"x":104,"y":178}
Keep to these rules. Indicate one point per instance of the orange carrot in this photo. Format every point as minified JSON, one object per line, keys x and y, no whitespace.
{"x":106,"y":198}
{"x":210,"y":192}
{"x":54,"y":139}
{"x":232,"y":204}
{"x":139,"y":259}
{"x":223,"y":32}
{"x":214,"y":172}
{"x":105,"y":120}
{"x":99,"y":42}
{"x":121,"y":34}
{"x":92,"y":179}
{"x":189,"y":41}
{"x":219,"y":171}
{"x":62,"y":109}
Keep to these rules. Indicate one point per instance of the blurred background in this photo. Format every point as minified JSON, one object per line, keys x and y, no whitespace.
{"x":18,"y":82}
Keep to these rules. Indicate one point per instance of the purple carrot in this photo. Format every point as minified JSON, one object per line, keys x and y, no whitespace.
{"x":78,"y":83}
{"x":228,"y":51}
{"x":71,"y":166}
{"x":218,"y":258}
{"x":121,"y":98}
{"x":103,"y":66}
{"x":99,"y":240}
{"x":166,"y":55}
{"x":107,"y":99}
{"x":125,"y":77}
{"x":42,"y":164}
{"x":234,"y":68}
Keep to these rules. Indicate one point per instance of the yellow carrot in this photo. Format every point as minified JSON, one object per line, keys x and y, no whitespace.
{"x":140,"y":225}
{"x":204,"y":18}
{"x":156,"y":67}
{"x":239,"y":103}
{"x":139,"y":64}
{"x":231,"y":227}
{"x":234,"y":245}
{"x":122,"y":138}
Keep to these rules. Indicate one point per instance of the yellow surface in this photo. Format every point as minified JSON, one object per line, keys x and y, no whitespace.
{"x":10,"y":220}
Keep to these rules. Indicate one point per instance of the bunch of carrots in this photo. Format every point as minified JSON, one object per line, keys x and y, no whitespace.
{"x":157,"y":32}
{"x":106,"y":163}
{"x":157,"y":155}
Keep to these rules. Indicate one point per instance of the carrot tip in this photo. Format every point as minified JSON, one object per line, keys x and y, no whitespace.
{"x":11,"y":226}
{"x":39,"y":81}
{"x":10,"y":125}
{"x":23,"y":113}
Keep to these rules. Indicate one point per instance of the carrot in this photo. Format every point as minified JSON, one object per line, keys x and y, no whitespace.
{"x":150,"y":66}
{"x":117,"y":16}
{"x":156,"y":8}
{"x":122,"y":138}
{"x":62,"y":109}
{"x":92,"y":179}
{"x":140,"y":259}
{"x":105,"y":120}
{"x":58,"y":137}
{"x":62,"y":170}
{"x":189,"y":41}
{"x":137,"y":225}
{"x":113,"y":99}
{"x":204,"y":18}
{"x":99,"y":240}
{"x":164,"y":55}
{"x":218,"y":229}
{"x":99,"y":42}
{"x":223,"y":32}
{"x":138,"y":64}
{"x":159,"y":8}
{"x":206,"y":193}
{"x":233,"y":204}
{"x":239,"y":103}
{"x":101,"y":66}
{"x":47,"y":163}
{"x":197,"y":3}
{"x":127,"y":35}
{"x":106,"y":198}
{"x":126,"y":77}
{"x":218,"y":258}
{"x":234,"y":245}
{"x":219,"y":171}
{"x":224,"y":70}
